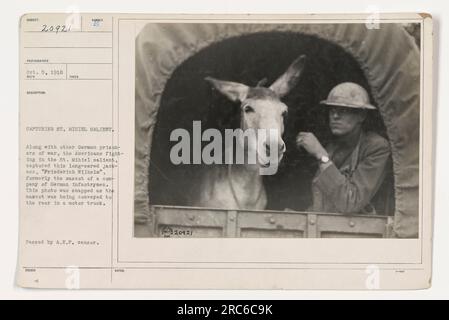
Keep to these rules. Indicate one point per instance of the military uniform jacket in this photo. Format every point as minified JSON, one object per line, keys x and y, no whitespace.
{"x":350,"y":182}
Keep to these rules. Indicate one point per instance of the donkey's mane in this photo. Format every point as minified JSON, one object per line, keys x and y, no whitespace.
{"x":261,"y":93}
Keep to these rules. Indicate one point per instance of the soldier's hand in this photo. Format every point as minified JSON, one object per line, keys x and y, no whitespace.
{"x":310,"y":143}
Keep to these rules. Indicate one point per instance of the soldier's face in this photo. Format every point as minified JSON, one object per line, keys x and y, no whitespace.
{"x":343,"y":121}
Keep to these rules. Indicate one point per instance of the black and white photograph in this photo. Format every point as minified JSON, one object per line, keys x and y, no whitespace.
{"x":277,"y":130}
{"x":267,"y":151}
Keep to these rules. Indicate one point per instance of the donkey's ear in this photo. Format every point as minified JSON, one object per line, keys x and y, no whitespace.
{"x":232,"y":90}
{"x":290,"y":78}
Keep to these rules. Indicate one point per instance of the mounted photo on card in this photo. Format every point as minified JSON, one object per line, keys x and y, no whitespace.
{"x":228,"y":151}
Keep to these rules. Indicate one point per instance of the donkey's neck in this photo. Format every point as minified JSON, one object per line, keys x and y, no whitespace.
{"x":232,"y":187}
{"x":246,"y":171}
{"x":246,"y":185}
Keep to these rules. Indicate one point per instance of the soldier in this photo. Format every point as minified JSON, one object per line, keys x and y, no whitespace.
{"x":353,"y":166}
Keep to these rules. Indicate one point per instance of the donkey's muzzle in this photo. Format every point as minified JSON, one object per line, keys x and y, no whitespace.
{"x":280,"y":148}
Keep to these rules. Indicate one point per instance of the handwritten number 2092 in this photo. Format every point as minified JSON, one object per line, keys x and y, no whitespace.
{"x":55,"y":28}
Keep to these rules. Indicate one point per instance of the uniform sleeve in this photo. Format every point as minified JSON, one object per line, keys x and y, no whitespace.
{"x":352,"y":194}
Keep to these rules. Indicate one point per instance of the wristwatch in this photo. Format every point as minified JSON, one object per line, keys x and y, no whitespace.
{"x":324,"y":159}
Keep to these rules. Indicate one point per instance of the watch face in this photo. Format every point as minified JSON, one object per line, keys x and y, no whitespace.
{"x":324,"y":159}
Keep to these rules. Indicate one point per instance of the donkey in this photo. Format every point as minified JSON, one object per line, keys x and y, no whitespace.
{"x":240,"y":186}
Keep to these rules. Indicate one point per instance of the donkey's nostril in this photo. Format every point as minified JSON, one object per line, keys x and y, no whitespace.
{"x":267,"y":149}
{"x":282,"y":148}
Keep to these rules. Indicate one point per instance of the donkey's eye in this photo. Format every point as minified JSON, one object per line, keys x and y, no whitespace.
{"x":248,"y":109}
{"x":284,"y":114}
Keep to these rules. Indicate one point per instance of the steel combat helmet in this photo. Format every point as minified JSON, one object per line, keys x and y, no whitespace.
{"x":350,"y":95}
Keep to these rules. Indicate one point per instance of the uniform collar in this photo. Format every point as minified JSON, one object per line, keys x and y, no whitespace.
{"x":350,"y":140}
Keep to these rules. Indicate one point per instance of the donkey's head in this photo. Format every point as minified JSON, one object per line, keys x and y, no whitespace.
{"x":262,"y":108}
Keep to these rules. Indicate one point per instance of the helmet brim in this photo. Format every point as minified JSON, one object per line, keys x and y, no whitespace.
{"x":347,"y":105}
